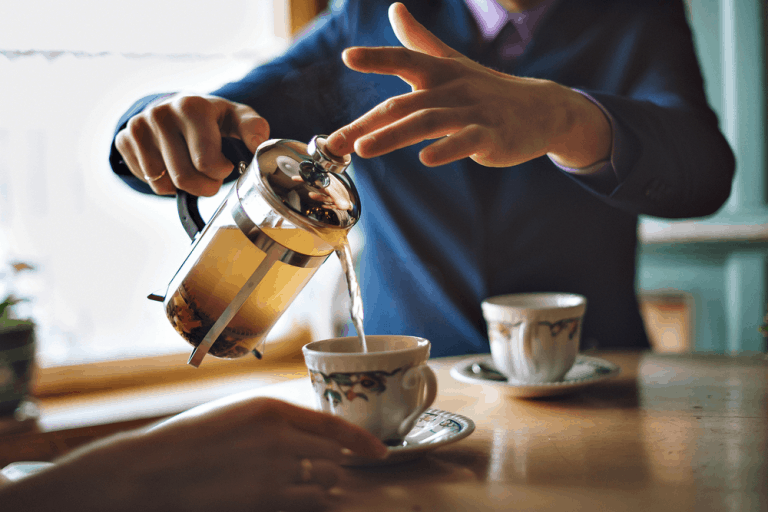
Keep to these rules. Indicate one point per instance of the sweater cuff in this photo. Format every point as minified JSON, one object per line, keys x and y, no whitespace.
{"x":600,"y":176}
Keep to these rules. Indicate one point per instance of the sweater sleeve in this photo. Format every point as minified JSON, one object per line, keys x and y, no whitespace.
{"x":670,"y":158}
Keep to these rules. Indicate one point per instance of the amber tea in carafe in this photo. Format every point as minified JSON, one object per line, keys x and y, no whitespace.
{"x":221,"y":270}
{"x":286,"y":214}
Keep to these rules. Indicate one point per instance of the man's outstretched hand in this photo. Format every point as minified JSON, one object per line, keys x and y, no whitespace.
{"x":495,"y":119}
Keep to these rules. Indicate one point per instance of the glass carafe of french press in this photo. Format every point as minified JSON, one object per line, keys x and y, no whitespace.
{"x":288,"y":211}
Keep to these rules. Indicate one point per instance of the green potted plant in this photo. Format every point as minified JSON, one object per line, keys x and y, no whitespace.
{"x":17,"y":348}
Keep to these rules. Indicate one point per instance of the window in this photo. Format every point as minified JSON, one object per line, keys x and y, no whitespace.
{"x":69,"y":71}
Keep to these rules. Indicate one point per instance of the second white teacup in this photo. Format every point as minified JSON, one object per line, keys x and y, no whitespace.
{"x":534,"y":336}
{"x":384,"y":390}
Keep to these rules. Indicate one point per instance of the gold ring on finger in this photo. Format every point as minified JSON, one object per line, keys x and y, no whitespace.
{"x":151,"y":179}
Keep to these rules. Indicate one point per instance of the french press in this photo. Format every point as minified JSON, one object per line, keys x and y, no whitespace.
{"x":291,"y":207}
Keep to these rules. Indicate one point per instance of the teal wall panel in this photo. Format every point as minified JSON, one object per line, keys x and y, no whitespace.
{"x":726,"y":286}
{"x":726,"y":279}
{"x":745,"y":300}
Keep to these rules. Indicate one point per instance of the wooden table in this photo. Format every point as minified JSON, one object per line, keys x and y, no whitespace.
{"x":669,"y":433}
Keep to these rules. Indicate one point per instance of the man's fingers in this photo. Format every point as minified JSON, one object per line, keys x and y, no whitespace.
{"x":176,"y":143}
{"x":126,"y":148}
{"x":204,"y":120}
{"x":343,"y":140}
{"x":425,"y":63}
{"x":192,"y":119}
{"x":339,"y":144}
{"x":155,"y":174}
{"x":143,"y":158}
{"x":247,"y":126}
{"x":466,"y":142}
{"x":180,"y":168}
{"x":414,"y":36}
{"x":418,"y":70}
{"x":204,"y":146}
{"x":423,"y":125}
{"x":164,"y":127}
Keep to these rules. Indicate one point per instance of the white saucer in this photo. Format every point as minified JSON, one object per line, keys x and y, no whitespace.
{"x":586,"y":371}
{"x":435,"y":428}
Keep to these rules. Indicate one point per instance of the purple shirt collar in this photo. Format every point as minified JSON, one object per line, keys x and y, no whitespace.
{"x":491,"y":18}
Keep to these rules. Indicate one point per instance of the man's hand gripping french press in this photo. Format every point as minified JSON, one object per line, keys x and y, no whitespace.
{"x":175,"y":143}
{"x":495,"y":119}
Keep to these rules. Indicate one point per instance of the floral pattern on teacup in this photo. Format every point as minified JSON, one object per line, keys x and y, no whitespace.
{"x":504,"y":329}
{"x":572,"y":324}
{"x":337,"y":386}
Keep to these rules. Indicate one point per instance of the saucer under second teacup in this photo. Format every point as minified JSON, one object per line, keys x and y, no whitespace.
{"x":586,"y":371}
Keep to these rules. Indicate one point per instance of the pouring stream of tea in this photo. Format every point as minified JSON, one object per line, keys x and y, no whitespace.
{"x":344,"y":252}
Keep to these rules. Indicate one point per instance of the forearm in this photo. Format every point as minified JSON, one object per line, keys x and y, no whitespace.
{"x":100,"y":476}
{"x":49,"y":491}
{"x":30,"y":497}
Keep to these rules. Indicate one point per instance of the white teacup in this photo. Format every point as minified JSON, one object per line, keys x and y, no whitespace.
{"x":534,"y":336}
{"x":384,"y":390}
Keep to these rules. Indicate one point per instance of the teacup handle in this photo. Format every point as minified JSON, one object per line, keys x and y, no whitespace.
{"x":412,"y":377}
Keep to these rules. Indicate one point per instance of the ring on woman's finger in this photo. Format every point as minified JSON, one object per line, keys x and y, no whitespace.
{"x":306,"y":470}
{"x":150,"y":179}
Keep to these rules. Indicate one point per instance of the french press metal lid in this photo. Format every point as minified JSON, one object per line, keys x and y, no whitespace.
{"x":323,"y":200}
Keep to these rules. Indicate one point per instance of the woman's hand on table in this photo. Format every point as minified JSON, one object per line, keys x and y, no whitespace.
{"x":258,"y":454}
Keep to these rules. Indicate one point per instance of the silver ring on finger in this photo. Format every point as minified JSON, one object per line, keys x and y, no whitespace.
{"x":151,"y":179}
{"x":306,"y":470}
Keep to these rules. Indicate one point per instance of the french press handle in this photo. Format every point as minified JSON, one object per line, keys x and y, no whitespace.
{"x":235,"y":151}
{"x":189,"y":212}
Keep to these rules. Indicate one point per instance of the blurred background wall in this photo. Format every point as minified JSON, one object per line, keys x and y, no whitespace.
{"x":706,"y":280}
